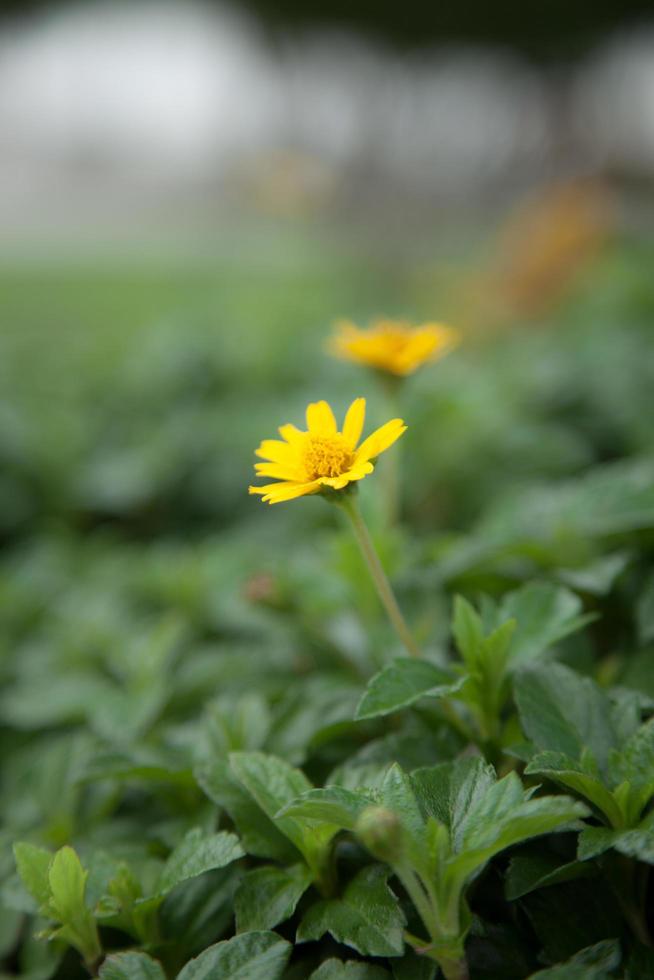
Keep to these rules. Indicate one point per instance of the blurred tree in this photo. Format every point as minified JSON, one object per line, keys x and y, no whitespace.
{"x":545,"y":30}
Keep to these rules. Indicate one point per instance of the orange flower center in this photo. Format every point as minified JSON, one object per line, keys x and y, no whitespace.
{"x":326,"y":456}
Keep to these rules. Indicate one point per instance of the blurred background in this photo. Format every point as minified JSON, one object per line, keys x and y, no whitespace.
{"x":191,"y":193}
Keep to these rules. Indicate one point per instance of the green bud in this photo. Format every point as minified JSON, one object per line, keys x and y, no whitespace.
{"x":380,"y":831}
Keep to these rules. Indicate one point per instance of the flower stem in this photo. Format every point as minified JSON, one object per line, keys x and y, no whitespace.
{"x":349,"y":504}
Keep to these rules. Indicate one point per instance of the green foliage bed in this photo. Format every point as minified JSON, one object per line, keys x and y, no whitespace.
{"x":217,"y":761}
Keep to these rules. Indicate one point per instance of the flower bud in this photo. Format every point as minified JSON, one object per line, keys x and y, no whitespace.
{"x":379,"y":829}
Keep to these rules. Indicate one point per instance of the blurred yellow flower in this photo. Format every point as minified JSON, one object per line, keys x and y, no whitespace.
{"x":394,"y":346}
{"x":305,"y":462}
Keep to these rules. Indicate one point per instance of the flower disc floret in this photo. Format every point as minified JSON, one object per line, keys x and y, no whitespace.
{"x":322,"y":457}
{"x":326,"y":456}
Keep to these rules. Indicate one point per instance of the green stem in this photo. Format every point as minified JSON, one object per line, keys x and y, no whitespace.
{"x":348,"y":502}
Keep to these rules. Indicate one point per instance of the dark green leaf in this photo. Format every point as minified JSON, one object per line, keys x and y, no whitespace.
{"x":563,"y":712}
{"x":367,"y":917}
{"x":403,"y":683}
{"x":198,"y":853}
{"x":250,"y":956}
{"x":333,"y":969}
{"x":131,"y":966}
{"x":268,"y":896}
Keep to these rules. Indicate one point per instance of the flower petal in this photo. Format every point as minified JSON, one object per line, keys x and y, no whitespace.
{"x":320,"y":419}
{"x":354,"y":419}
{"x":280,"y":471}
{"x":291,"y":434}
{"x":380,"y":440}
{"x":276,"y":451}
{"x":276,"y":493}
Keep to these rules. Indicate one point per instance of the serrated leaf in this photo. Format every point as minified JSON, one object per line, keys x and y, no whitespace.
{"x":505,"y":816}
{"x":563,"y":712}
{"x":273,"y":783}
{"x":449,"y":790}
{"x":332,"y":805}
{"x":198,"y":853}
{"x":637,"y":842}
{"x":131,"y":966}
{"x":334,"y":969}
{"x":397,"y":794}
{"x":268,"y":896}
{"x":635,"y":760}
{"x":565,"y":771}
{"x":258,"y":833}
{"x":250,"y":956}
{"x":367,"y":917}
{"x":33,"y":864}
{"x":403,"y":683}
{"x":545,"y":614}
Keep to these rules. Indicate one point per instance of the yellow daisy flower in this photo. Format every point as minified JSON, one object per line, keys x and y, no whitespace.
{"x":305,"y":462}
{"x":394,"y":346}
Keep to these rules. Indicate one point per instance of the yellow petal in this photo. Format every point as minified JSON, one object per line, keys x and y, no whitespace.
{"x":380,"y":440}
{"x":320,"y":419}
{"x":359,"y":470}
{"x":276,"y":493}
{"x":265,"y":489}
{"x":354,"y":419}
{"x":280,"y":471}
{"x":291,"y":434}
{"x":276,"y":451}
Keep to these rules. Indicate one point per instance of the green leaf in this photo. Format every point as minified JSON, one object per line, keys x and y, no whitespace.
{"x":403,"y":683}
{"x":593,"y":963}
{"x":599,"y":576}
{"x":273,"y":783}
{"x":448,"y":791}
{"x":635,"y":761}
{"x":545,"y":613}
{"x":131,"y":966}
{"x":268,"y":896}
{"x":467,"y":631}
{"x":593,"y":841}
{"x":334,"y":969}
{"x":398,"y":794}
{"x":198,"y":853}
{"x":529,"y":872}
{"x":67,"y":880}
{"x":250,"y":956}
{"x":33,"y":864}
{"x":367,"y":918}
{"x":563,"y":712}
{"x":637,"y":842}
{"x":258,"y":833}
{"x":331,"y":805}
{"x":573,"y":775}
{"x":238,"y":724}
{"x":505,"y":816}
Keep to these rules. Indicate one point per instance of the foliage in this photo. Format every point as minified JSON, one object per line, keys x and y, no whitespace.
{"x":217,"y":759}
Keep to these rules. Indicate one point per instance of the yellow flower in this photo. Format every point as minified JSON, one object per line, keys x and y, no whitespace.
{"x":394,"y":346}
{"x":305,"y":462}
